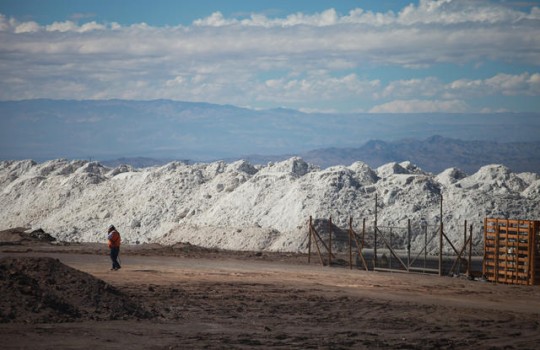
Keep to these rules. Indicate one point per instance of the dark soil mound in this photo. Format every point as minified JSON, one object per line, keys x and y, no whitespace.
{"x":35,"y":290}
{"x":41,"y":236}
{"x":19,"y":235}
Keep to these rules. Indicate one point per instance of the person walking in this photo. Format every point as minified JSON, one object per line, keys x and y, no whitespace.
{"x":114,"y":245}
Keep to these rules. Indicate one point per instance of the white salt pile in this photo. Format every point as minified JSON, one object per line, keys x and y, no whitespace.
{"x":244,"y":207}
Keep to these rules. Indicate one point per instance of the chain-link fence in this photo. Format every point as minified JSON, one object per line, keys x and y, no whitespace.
{"x":423,"y":249}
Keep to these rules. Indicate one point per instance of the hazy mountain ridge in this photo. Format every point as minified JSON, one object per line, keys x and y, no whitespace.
{"x":167,"y":129}
{"x":434,"y":154}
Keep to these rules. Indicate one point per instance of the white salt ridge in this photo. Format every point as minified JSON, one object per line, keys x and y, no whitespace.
{"x":244,"y":207}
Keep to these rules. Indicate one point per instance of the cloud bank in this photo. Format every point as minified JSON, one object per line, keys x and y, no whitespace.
{"x":448,"y":56}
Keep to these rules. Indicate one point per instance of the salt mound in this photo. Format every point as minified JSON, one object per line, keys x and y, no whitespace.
{"x":245,"y":207}
{"x":43,"y":290}
{"x":364,"y":173}
{"x":412,"y":168}
{"x":495,"y":179}
{"x":533,"y":191}
{"x":391,"y":169}
{"x":450,"y":176}
{"x":294,"y":166}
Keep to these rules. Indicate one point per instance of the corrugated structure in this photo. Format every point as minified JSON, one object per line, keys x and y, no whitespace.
{"x":512,"y":251}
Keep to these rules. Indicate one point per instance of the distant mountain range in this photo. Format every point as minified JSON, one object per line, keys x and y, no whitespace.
{"x":436,"y":154}
{"x":433,"y":154}
{"x":165,"y":129}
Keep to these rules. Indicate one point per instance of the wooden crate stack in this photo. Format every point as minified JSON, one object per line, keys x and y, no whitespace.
{"x":512,"y":251}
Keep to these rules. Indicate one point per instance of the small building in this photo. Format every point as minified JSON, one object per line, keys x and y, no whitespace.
{"x":512,"y":251}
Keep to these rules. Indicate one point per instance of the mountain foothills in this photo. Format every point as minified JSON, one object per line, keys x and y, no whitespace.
{"x":241,"y":206}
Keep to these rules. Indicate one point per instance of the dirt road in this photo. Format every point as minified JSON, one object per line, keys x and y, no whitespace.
{"x":222,"y":301}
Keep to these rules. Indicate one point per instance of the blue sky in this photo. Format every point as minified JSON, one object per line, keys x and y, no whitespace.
{"x":174,"y":12}
{"x":316,"y":56}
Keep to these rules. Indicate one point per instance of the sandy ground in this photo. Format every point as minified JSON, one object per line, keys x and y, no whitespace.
{"x":200,"y":298}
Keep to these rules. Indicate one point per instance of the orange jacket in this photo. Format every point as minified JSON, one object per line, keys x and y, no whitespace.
{"x":114,"y":239}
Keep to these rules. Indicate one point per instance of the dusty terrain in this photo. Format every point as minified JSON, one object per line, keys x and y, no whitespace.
{"x":65,"y":296}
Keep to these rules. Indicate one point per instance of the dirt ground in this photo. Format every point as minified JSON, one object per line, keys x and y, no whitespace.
{"x":185,"y":297}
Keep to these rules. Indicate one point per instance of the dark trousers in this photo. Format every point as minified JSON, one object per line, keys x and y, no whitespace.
{"x":114,"y":257}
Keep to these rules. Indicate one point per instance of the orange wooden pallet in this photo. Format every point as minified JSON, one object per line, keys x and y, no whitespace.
{"x":512,"y":251}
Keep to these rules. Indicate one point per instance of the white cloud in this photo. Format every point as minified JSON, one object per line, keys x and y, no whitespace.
{"x":427,"y":87}
{"x":310,"y":61}
{"x":317,"y":110}
{"x":66,"y":26}
{"x":500,"y":84}
{"x":426,"y":12}
{"x":512,"y":85}
{"x":461,"y":11}
{"x":91,"y":26}
{"x":216,"y":19}
{"x":4,"y":23}
{"x":421,"y":106}
{"x":179,"y":80}
{"x":317,"y":86}
{"x":14,"y":26}
{"x":26,"y":27}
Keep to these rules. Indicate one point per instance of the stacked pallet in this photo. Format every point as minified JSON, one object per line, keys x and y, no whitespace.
{"x":512,"y":251}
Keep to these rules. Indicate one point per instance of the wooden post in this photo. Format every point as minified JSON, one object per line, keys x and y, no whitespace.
{"x":469,"y":272}
{"x":425,"y":246}
{"x":484,"y":261}
{"x":408,"y":244}
{"x":465,"y":231}
{"x":441,"y":240}
{"x":464,"y":241}
{"x":330,"y":242}
{"x":375,"y":236}
{"x":363,"y":231}
{"x":533,"y":260}
{"x":390,"y":248}
{"x":350,"y":242}
{"x":363,"y":244}
{"x":506,"y":253}
{"x":497,"y":229}
{"x":309,"y":240}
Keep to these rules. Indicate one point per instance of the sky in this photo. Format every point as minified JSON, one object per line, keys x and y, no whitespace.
{"x":383,"y":56}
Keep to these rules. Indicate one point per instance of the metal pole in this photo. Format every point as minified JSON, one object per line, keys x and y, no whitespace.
{"x":441,"y":240}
